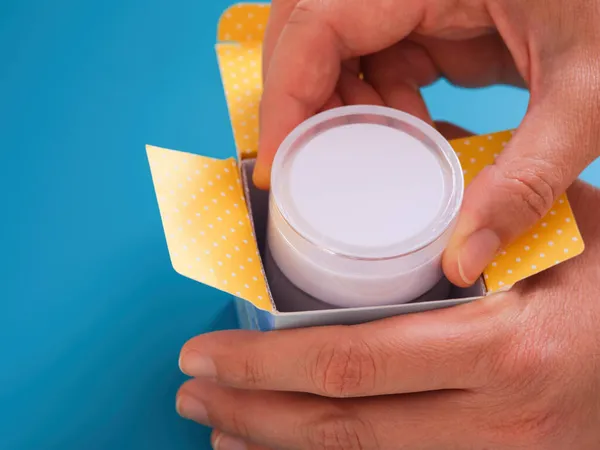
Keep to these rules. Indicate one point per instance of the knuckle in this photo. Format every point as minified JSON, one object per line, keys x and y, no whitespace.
{"x":535,"y":426}
{"x":235,"y":424}
{"x":540,"y":427}
{"x":515,"y":361}
{"x":309,"y":20}
{"x":522,"y":365}
{"x":531,"y":184}
{"x":254,"y":373}
{"x":341,"y":433}
{"x":527,"y":361}
{"x":525,"y":374}
{"x":344,"y":369}
{"x":320,"y":16}
{"x":528,"y":368}
{"x":492,"y":347}
{"x":304,"y":11}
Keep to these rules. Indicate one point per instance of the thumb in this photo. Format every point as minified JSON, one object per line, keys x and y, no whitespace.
{"x":556,"y":141}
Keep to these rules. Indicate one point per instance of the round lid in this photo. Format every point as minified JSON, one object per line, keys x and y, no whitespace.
{"x":367,"y":182}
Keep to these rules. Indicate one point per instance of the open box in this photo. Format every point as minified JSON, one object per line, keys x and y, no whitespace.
{"x":215,"y":220}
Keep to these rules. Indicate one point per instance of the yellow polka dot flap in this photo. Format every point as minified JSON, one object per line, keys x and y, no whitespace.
{"x":205,"y":219}
{"x":239,"y":51}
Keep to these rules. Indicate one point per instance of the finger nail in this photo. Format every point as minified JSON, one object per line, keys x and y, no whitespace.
{"x":196,"y":365}
{"x":476,"y":253}
{"x":192,"y":408}
{"x":226,"y":442}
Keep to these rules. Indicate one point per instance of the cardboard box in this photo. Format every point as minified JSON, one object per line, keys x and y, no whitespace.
{"x":215,"y":220}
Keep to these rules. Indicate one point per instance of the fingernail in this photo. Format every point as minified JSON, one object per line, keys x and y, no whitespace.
{"x":192,"y":408}
{"x":196,"y":365}
{"x":476,"y":253}
{"x":226,"y":442}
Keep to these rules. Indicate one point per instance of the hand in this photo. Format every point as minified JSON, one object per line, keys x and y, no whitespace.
{"x":315,"y":49}
{"x":514,"y":370}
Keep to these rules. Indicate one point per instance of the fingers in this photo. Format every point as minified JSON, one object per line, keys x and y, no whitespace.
{"x":397,"y":74}
{"x":354,"y":91}
{"x":451,"y":131}
{"x":299,"y":81}
{"x":223,"y":441}
{"x":448,"y":349}
{"x":305,"y":64}
{"x":297,"y":421}
{"x":278,"y":16}
{"x":307,"y":41}
{"x":557,"y":140}
{"x":272,"y":419}
{"x":480,"y":61}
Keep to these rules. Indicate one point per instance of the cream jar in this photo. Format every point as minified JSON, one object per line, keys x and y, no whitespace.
{"x":363,"y":202}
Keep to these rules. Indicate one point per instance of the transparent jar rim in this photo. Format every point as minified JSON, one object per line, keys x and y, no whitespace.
{"x":454,"y":200}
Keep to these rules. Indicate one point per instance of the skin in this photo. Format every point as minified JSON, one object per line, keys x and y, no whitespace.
{"x":514,"y":370}
{"x":517,"y":370}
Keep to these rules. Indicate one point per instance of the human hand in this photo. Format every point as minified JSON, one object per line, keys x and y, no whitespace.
{"x":315,"y":49}
{"x":513,"y":370}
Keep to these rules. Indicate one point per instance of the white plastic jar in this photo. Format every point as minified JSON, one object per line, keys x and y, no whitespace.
{"x":363,"y":202}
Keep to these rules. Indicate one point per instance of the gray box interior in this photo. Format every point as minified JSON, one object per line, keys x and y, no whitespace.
{"x":296,"y":308}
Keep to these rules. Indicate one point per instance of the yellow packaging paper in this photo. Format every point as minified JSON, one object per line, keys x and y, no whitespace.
{"x":206,"y":223}
{"x":205,"y":217}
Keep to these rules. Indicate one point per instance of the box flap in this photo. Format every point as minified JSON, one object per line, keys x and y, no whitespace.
{"x":243,"y":22}
{"x":206,"y":223}
{"x":239,"y":50}
{"x":242,"y":82}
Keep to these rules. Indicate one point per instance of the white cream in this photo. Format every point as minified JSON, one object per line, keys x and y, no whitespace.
{"x":362,"y":204}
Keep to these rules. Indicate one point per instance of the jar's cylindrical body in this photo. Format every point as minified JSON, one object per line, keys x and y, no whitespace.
{"x":351,"y":282}
{"x":357,"y":275}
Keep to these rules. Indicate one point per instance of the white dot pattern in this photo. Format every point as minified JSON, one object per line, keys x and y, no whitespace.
{"x":243,"y":109}
{"x":201,"y":243}
{"x":240,"y":33}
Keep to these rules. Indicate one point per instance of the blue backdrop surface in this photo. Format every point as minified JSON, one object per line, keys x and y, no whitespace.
{"x":91,"y":314}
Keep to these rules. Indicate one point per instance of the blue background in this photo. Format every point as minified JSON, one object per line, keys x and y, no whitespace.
{"x":91,"y":314}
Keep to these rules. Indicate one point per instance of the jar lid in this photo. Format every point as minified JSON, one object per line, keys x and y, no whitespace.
{"x":367,"y":182}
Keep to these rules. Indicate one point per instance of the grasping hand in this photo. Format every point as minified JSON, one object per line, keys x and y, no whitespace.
{"x":315,"y":49}
{"x":516,"y":370}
